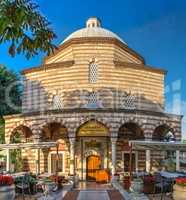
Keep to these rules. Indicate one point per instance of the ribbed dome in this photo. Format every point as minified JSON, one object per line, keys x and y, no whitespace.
{"x":93,"y":29}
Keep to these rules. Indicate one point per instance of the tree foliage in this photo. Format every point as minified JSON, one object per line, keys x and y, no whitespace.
{"x":6,"y":79}
{"x":2,"y":130}
{"x":15,"y":154}
{"x":27,"y":31}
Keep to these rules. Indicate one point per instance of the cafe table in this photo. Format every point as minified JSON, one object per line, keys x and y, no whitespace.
{"x":46,"y":185}
{"x":171,"y":176}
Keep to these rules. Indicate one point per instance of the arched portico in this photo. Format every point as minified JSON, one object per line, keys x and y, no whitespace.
{"x":92,"y":139}
{"x":21,"y":134}
{"x":54,"y":132}
{"x":16,"y":159}
{"x":163,"y":132}
{"x":129,"y":131}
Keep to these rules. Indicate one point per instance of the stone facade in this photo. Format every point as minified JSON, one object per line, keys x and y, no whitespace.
{"x":59,"y":94}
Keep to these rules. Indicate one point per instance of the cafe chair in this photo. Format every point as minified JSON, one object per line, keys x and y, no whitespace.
{"x":161,"y":185}
{"x":24,"y":185}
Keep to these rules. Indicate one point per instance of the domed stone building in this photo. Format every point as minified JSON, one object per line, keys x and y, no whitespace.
{"x":92,"y":96}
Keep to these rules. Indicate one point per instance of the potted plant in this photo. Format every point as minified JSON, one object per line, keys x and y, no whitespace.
{"x":126,"y":181}
{"x":179,"y":192}
{"x":7,"y":187}
{"x":30,"y":179}
{"x":149,"y":182}
{"x":58,"y":180}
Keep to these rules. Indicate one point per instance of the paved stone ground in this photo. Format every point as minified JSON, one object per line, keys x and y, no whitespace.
{"x":93,"y":186}
{"x":88,"y":191}
{"x":71,"y":195}
{"x":93,"y":195}
{"x":93,"y":191}
{"x":115,"y":195}
{"x":74,"y":195}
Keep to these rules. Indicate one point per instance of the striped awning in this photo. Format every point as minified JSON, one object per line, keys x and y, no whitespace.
{"x":157,"y":146}
{"x":38,"y":145}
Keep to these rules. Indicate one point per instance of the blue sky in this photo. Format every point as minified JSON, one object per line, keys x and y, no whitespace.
{"x":155,"y":29}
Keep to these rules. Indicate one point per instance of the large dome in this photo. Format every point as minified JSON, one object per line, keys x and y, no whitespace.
{"x":93,"y":29}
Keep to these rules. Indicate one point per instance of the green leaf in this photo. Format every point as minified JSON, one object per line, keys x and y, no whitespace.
{"x":20,"y":19}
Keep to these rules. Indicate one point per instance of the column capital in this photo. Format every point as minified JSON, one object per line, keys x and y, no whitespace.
{"x":72,"y":140}
{"x":113,"y":139}
{"x":114,"y":134}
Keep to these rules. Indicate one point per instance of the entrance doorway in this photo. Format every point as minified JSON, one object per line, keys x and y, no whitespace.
{"x":93,"y":164}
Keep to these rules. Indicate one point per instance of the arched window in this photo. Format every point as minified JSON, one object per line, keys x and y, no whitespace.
{"x":93,"y":72}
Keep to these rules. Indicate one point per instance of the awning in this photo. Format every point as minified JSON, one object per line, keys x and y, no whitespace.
{"x":157,"y":146}
{"x":38,"y":145}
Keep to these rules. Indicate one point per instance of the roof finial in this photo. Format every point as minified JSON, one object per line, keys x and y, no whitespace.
{"x":93,"y":22}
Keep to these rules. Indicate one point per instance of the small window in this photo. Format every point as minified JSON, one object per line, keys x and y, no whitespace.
{"x":57,"y":102}
{"x":93,"y":72}
{"x":128,"y":101}
{"x":93,"y":98}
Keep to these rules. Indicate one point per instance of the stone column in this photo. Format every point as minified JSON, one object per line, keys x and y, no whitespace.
{"x":113,"y":148}
{"x":136,"y":160}
{"x":37,"y":151}
{"x":148,"y":160}
{"x":8,"y":160}
{"x":72,"y":156}
{"x":177,"y":160}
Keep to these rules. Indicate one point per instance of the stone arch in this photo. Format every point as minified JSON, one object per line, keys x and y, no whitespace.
{"x":83,"y":120}
{"x":54,"y":131}
{"x":91,"y":152}
{"x":50,"y":121}
{"x":20,"y":123}
{"x":164,"y":122}
{"x":131,"y":119}
{"x":20,"y":134}
{"x":163,"y":131}
{"x":130,"y":130}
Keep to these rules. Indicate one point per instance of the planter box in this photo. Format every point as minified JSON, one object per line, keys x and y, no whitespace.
{"x":126,"y":182}
{"x":136,"y":186}
{"x":148,"y":188}
{"x":149,"y":184}
{"x":179,"y":192}
{"x":7,"y":192}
